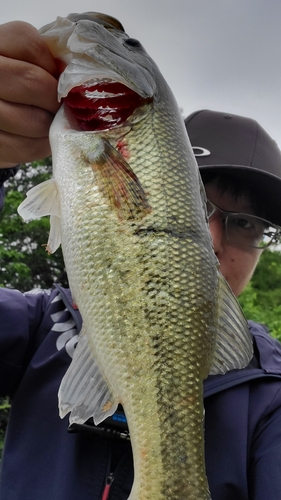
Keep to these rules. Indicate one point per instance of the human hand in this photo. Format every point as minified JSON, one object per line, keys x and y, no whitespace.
{"x":28,"y":94}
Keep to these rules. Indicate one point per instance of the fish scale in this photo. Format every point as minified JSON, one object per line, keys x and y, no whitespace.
{"x":157,"y":315}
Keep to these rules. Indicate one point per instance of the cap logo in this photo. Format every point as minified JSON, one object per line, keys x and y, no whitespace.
{"x":200,"y":151}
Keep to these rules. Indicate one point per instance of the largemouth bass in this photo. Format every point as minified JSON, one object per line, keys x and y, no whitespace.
{"x":128,"y":206}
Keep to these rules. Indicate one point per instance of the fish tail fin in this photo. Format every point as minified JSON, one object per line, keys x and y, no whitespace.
{"x":234,"y":342}
{"x":83,"y":390}
{"x":42,"y":200}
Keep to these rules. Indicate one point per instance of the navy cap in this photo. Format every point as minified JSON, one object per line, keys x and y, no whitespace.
{"x":224,"y":142}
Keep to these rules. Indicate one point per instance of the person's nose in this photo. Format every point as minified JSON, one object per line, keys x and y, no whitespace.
{"x":217,"y":233}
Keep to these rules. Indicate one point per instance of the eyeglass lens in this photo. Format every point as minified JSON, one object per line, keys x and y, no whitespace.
{"x":245,"y":230}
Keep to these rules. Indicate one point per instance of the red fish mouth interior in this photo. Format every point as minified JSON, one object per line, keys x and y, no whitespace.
{"x":103,"y":105}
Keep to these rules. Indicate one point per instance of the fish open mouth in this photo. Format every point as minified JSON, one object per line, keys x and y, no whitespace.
{"x":103,"y":105}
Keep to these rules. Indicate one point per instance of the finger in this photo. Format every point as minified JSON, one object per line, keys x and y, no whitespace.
{"x":7,"y":165}
{"x":25,"y":83}
{"x":27,"y":121}
{"x":17,"y":149}
{"x":21,"y":41}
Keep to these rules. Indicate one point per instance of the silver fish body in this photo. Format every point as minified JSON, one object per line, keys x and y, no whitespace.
{"x":157,"y":315}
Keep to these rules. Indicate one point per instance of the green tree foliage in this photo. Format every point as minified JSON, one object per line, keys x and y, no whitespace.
{"x":24,"y":262}
{"x":4,"y":413}
{"x":261,"y":300}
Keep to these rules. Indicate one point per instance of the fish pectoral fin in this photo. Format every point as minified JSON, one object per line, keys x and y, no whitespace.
{"x":83,"y":390}
{"x":234,"y":347}
{"x":118,"y":183}
{"x":42,"y":200}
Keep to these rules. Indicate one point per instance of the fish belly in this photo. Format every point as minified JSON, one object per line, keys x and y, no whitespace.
{"x":147,"y":300}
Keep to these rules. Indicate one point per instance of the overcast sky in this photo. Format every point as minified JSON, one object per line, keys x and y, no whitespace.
{"x":217,"y":54}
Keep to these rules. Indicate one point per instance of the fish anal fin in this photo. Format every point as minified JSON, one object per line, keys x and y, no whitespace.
{"x":118,"y":183}
{"x":83,"y":390}
{"x":234,"y":342}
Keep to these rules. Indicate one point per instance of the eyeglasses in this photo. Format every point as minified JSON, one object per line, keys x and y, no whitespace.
{"x":246,"y":230}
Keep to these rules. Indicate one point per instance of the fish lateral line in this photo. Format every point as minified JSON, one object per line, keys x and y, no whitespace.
{"x":174,"y":233}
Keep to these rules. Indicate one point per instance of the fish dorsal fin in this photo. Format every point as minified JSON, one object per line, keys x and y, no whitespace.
{"x":234,"y":342}
{"x":42,"y":200}
{"x":117,"y":182}
{"x":83,"y":390}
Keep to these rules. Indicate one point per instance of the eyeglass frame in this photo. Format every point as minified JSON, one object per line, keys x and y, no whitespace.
{"x":274,"y":239}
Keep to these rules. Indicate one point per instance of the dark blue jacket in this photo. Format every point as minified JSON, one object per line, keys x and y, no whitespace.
{"x":43,"y":461}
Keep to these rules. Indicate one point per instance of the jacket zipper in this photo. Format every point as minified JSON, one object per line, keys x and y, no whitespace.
{"x":108,"y":483}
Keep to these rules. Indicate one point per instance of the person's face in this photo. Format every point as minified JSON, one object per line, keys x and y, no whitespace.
{"x":237,"y":264}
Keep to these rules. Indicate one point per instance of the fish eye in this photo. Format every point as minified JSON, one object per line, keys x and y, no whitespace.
{"x":133,"y":42}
